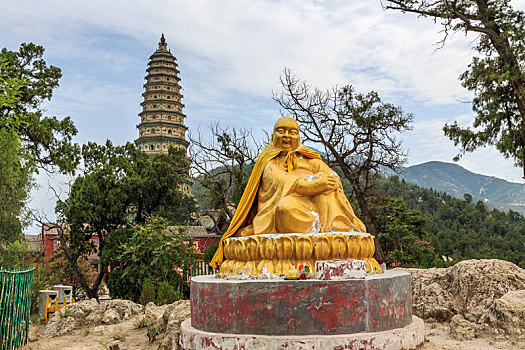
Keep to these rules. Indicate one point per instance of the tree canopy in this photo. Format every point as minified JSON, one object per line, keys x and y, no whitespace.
{"x":28,"y":140}
{"x":119,"y":185}
{"x":151,"y":252}
{"x":460,"y":229}
{"x":15,"y":166}
{"x":496,"y":74}
{"x":47,"y":139}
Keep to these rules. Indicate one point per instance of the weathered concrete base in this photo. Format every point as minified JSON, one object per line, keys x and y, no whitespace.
{"x":408,"y":337}
{"x":305,"y":307}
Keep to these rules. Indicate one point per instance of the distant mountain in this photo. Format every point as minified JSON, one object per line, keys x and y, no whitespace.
{"x":456,"y":181}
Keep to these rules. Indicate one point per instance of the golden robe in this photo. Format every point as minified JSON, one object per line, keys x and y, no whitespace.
{"x":278,"y":208}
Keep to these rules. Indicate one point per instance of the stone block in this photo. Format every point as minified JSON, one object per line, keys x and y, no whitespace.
{"x":42,"y":297}
{"x":336,"y":270}
{"x":64,"y":292}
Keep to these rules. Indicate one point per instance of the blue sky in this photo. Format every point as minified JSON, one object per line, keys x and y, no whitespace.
{"x":231,"y":53}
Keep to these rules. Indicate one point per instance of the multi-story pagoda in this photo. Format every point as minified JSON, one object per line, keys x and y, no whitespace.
{"x":161,"y":120}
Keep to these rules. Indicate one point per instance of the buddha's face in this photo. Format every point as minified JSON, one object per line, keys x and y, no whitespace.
{"x":286,"y":134}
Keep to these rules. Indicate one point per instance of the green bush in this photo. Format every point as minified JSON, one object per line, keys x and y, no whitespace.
{"x":136,"y":253}
{"x":148,"y":292}
{"x":166,"y":294}
{"x":210,"y":252}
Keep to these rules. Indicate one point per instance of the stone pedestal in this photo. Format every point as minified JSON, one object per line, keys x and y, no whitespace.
{"x":408,"y":337}
{"x":42,"y":298}
{"x":64,"y":293}
{"x":303,"y":314}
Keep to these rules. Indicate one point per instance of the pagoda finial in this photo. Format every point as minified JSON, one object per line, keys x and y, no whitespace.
{"x":162,"y":40}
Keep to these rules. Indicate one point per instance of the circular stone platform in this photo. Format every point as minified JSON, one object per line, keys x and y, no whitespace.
{"x":301,"y":307}
{"x":408,"y":337}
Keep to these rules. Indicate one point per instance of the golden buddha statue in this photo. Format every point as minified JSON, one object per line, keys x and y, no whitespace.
{"x":293,"y":212}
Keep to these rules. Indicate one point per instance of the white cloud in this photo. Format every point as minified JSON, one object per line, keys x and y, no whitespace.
{"x":247,"y":45}
{"x":231,"y":54}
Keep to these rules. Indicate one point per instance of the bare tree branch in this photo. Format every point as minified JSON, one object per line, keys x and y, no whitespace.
{"x":357,"y":132}
{"x":220,"y":162}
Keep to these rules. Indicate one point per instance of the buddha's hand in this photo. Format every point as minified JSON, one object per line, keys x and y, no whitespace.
{"x":328,"y":183}
{"x":313,"y":185}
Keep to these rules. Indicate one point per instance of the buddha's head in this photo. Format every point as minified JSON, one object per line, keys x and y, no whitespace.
{"x":286,"y":134}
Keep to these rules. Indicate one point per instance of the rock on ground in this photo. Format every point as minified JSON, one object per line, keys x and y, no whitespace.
{"x":89,"y":311}
{"x":461,"y":329}
{"x":154,"y":312}
{"x":467,"y":288}
{"x":164,"y":320}
{"x":169,"y":325}
{"x":507,"y":314}
{"x":478,"y":297}
{"x":57,"y":326}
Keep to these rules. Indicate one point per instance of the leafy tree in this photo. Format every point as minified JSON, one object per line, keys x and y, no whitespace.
{"x":496,"y":74}
{"x":180,"y":215}
{"x":28,"y":141}
{"x":402,"y":232}
{"x":119,"y":184}
{"x":357,"y":131}
{"x":48,"y":140}
{"x":147,"y":252}
{"x":15,"y":166}
{"x":16,"y":255}
{"x":64,"y":274}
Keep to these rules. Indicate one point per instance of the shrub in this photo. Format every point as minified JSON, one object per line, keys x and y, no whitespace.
{"x":166,"y":294}
{"x":144,"y":322}
{"x":148,"y":292}
{"x":210,"y":252}
{"x":152,"y":251}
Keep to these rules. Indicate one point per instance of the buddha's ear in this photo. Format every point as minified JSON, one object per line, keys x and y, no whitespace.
{"x":271,"y":140}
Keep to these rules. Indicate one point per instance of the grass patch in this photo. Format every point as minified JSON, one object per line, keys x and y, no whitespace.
{"x":118,"y":335}
{"x":87,"y":331}
{"x":144,"y":322}
{"x":65,"y":312}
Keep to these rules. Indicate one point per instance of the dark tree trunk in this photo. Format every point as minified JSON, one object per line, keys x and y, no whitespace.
{"x":370,"y":226}
{"x":73,"y":261}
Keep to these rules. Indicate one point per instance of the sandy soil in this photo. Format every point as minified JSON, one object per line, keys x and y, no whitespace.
{"x":127,"y":336}
{"x":437,"y":338}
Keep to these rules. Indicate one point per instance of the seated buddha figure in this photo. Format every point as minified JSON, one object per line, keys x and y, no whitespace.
{"x":290,"y":190}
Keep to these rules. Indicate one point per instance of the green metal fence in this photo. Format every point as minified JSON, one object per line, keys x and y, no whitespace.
{"x":15,"y":307}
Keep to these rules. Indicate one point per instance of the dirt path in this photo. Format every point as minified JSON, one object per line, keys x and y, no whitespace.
{"x":128,"y":336}
{"x":437,"y":338}
{"x":125,"y":334}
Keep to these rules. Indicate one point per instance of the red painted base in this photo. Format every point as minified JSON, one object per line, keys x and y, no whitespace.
{"x":408,"y":337}
{"x":305,"y":307}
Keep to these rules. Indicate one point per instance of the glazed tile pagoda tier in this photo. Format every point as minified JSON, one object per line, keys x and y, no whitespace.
{"x":162,"y":118}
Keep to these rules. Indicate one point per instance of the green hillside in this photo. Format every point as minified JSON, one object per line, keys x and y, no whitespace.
{"x":463,"y":229}
{"x":456,"y":181}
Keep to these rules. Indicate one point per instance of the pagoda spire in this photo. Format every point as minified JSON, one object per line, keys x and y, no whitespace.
{"x":162,"y":40}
